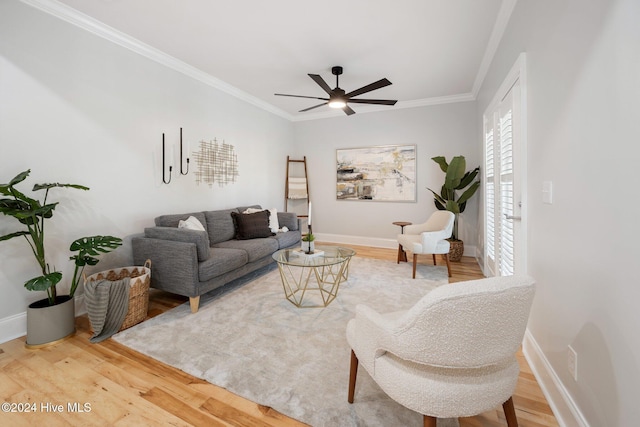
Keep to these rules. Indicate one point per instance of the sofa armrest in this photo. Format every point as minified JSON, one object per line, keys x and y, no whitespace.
{"x":199,"y":238}
{"x":289,"y":220}
{"x":174,"y":265}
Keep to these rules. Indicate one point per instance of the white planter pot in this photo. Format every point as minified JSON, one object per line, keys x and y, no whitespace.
{"x":49,"y":324}
{"x":308,"y":247}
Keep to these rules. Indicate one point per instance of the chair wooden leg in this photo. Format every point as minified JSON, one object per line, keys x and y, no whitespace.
{"x":434,"y":259}
{"x":429,"y":421}
{"x":510,"y":413}
{"x":352,"y":376}
{"x":402,"y":255}
{"x":415,"y":264}
{"x":446,"y":258}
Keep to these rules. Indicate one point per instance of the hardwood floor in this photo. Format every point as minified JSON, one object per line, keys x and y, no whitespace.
{"x":124,"y":388}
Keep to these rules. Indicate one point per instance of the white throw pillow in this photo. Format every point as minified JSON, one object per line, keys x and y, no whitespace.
{"x":191,"y":223}
{"x":274,"y":225}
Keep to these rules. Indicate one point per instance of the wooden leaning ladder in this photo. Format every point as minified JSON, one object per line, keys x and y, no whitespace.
{"x":296,"y":187}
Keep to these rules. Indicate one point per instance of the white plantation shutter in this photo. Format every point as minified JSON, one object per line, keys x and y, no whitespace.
{"x":506,"y":194}
{"x":499,"y":188}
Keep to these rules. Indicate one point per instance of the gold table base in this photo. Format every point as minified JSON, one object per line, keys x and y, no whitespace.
{"x":297,"y":280}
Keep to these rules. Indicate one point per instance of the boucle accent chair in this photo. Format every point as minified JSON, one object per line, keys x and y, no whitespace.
{"x":427,"y":238}
{"x":450,"y":355}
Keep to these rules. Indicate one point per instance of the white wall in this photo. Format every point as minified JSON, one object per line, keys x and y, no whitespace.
{"x":446,"y":130}
{"x":583,"y":135}
{"x":77,"y":108}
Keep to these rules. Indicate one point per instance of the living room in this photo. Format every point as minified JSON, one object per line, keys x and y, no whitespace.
{"x":77,"y":107}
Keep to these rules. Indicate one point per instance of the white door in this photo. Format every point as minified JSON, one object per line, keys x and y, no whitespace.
{"x":504,"y":212}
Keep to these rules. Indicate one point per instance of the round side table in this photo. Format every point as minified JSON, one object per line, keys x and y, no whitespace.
{"x":402,"y":224}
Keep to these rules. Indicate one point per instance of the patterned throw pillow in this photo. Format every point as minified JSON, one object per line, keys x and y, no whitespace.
{"x":251,"y":226}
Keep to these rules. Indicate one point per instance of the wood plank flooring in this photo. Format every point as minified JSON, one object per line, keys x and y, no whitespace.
{"x":121,"y":387}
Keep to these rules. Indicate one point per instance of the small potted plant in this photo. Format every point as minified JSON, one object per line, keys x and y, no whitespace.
{"x":52,"y":318}
{"x":307,"y":242}
{"x":456,"y":180}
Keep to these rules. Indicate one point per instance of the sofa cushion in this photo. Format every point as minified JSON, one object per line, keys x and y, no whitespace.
{"x":174,"y":220}
{"x":199,"y":238}
{"x":241,"y":209}
{"x":221,"y":261}
{"x":255,"y":248}
{"x":220,"y":225}
{"x":251,"y":226}
{"x":287,"y":239}
{"x":289,"y":220}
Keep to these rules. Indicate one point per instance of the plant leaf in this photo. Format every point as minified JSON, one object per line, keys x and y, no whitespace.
{"x":469,"y":192}
{"x":455,"y":172}
{"x":12,"y":235}
{"x":43,"y":283}
{"x":453,"y":207}
{"x":442,"y":162}
{"x":93,"y":245}
{"x":468,"y":178}
{"x":37,"y":187}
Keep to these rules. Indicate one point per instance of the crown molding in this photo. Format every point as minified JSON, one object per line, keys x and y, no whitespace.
{"x":504,"y":15}
{"x":425,"y":102}
{"x":100,"y":29}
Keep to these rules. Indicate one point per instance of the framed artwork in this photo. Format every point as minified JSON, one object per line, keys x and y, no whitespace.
{"x":385,"y":173}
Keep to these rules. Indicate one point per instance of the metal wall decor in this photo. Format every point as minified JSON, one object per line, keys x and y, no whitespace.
{"x":183,"y":173}
{"x":217,"y":163}
{"x":384,"y":173}
{"x":163,"y":164}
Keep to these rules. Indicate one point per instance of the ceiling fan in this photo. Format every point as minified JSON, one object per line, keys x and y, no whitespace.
{"x":338,"y":98}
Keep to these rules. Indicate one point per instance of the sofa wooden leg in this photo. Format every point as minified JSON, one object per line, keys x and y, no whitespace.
{"x":352,"y":376}
{"x":510,"y":413}
{"x":194,"y":302}
{"x":429,"y":421}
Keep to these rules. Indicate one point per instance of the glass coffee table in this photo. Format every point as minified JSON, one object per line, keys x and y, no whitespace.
{"x":320,"y":272}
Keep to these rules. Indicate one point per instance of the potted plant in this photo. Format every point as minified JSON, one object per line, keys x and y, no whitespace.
{"x":52,"y":318}
{"x":456,"y":180}
{"x":307,"y":242}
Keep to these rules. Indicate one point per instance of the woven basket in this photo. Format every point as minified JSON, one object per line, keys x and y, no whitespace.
{"x":138,"y":291}
{"x":456,"y":250}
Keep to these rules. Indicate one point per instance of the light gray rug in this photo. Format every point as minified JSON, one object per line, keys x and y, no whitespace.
{"x":249,"y":339}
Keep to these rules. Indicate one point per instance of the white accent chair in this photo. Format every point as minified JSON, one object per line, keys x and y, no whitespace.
{"x":453,"y":354}
{"x":427,"y":238}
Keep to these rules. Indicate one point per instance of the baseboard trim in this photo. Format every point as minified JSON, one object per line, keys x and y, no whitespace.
{"x":13,"y":327}
{"x":562,"y":404}
{"x":375,"y":242}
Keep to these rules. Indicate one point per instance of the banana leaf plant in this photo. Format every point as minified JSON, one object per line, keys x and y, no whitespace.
{"x":456,"y":180}
{"x":32,"y":214}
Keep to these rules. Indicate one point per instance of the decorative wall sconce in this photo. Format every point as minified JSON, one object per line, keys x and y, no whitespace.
{"x":163,"y":162}
{"x":183,"y":173}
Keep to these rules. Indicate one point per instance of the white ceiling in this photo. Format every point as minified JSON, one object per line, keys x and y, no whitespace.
{"x":432,"y":50}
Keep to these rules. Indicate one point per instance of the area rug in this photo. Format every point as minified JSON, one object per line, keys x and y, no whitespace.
{"x":249,"y":339}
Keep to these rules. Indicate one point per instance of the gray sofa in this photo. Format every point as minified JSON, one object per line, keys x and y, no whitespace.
{"x":191,"y":263}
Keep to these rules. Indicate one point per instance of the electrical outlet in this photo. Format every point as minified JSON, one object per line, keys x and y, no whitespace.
{"x":572,"y":362}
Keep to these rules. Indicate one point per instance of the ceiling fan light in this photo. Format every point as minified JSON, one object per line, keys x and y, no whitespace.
{"x":337,"y":103}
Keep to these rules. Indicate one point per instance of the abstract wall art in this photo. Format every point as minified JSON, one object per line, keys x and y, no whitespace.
{"x":216,"y":163}
{"x":383,"y":173}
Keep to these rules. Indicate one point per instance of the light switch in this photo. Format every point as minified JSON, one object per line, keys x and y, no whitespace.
{"x":547,"y":192}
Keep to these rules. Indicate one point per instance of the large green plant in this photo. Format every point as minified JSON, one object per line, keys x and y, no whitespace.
{"x":456,"y":179}
{"x":32,"y":214}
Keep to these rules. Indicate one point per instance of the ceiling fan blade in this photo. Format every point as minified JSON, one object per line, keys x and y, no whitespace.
{"x":316,"y":78}
{"x":311,"y":108}
{"x":348,"y":111}
{"x":301,"y":96}
{"x":368,"y":88}
{"x":374,"y":101}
